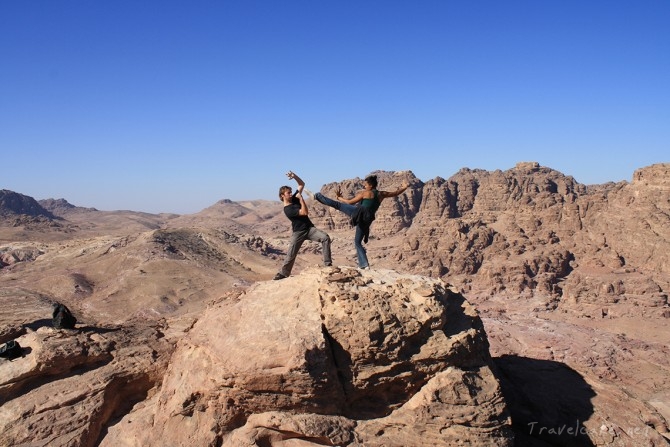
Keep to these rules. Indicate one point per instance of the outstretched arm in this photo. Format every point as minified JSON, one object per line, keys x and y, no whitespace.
{"x":397,"y":192}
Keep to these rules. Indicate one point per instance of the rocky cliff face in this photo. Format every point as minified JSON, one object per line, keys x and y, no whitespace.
{"x":570,"y":282}
{"x":330,"y":357}
{"x":551,"y":233}
{"x":565,"y":275}
{"x":530,"y":229}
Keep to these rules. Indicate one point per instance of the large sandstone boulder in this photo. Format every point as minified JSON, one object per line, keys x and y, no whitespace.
{"x":330,"y":357}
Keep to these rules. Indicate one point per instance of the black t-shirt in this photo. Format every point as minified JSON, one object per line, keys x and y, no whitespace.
{"x":298,"y":222}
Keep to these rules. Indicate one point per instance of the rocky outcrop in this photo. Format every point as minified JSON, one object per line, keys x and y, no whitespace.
{"x":61,"y":207}
{"x":330,"y":357}
{"x":526,"y":230}
{"x":13,"y":204}
{"x":571,"y":282}
{"x":12,"y":255}
{"x":70,"y":385}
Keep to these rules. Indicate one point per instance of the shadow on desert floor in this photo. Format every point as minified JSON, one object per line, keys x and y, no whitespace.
{"x":548,"y":401}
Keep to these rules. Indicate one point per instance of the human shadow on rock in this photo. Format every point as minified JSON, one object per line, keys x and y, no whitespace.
{"x":548,"y":401}
{"x":48,"y":322}
{"x":98,"y":329}
{"x":45,"y":322}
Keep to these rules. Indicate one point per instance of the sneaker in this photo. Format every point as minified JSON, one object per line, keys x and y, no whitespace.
{"x":308,"y":193}
{"x":278,"y":276}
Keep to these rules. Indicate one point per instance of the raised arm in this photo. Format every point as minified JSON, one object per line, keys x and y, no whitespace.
{"x":294,"y":176}
{"x":304,"y":211}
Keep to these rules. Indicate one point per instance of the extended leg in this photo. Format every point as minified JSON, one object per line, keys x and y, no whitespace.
{"x":344,"y":207}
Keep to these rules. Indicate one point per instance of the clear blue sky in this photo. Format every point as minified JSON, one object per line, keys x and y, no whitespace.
{"x":170,"y":106}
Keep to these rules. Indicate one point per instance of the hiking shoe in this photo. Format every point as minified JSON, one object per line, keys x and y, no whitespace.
{"x":278,"y":276}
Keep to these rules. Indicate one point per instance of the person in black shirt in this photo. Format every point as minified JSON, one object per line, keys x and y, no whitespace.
{"x":296,"y":210}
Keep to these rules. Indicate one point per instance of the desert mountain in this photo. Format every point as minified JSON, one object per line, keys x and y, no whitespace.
{"x":569,"y":281}
{"x":60,"y":207}
{"x":528,"y":229}
{"x":13,"y":204}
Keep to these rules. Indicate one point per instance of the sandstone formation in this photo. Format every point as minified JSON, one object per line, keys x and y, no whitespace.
{"x":526,"y":229}
{"x":330,"y":357}
{"x":587,"y":265}
{"x":69,"y":385}
{"x":571,"y":282}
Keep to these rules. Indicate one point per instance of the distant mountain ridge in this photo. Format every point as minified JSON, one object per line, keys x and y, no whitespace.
{"x":13,"y":204}
{"x":61,"y":206}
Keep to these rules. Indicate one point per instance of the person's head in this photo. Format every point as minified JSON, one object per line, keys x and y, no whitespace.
{"x":372,"y":181}
{"x":284,"y":190}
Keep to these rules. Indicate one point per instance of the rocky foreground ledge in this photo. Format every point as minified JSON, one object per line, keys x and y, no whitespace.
{"x":332,"y":356}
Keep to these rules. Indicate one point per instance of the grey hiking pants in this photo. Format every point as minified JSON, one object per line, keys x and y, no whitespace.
{"x":297,"y":238}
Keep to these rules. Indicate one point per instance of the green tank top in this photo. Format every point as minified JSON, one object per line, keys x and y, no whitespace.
{"x":372,"y":203}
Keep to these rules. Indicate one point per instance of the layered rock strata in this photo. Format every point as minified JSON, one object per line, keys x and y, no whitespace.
{"x":330,"y":357}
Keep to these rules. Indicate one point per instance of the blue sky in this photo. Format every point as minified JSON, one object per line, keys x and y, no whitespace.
{"x":170,"y":106}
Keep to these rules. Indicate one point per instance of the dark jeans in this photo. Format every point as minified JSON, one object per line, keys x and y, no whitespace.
{"x":358,"y":238}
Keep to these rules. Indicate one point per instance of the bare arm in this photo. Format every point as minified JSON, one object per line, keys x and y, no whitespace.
{"x":294,"y":176}
{"x":304,"y":211}
{"x":397,"y":192}
{"x":357,"y":198}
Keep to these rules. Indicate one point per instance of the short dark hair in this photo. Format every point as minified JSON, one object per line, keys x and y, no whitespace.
{"x":372,"y":180}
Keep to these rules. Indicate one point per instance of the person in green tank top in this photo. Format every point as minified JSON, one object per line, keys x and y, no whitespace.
{"x":361,"y":209}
